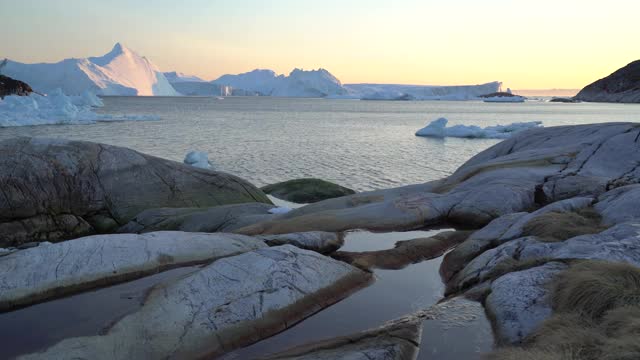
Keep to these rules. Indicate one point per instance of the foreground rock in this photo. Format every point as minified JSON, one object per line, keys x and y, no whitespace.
{"x":231,"y":303}
{"x":224,"y":218}
{"x":533,"y":168}
{"x":397,"y":340}
{"x":9,"y":86}
{"x":48,"y":271}
{"x":322,"y":242}
{"x":56,"y":189}
{"x":306,"y":191}
{"x":623,"y":86}
{"x":519,"y":302}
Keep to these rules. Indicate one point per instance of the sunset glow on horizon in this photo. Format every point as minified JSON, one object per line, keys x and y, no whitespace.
{"x":541,"y":45}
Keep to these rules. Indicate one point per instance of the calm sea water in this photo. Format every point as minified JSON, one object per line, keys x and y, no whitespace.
{"x":360,"y":144}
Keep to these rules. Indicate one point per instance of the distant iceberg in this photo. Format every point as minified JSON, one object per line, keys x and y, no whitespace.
{"x":420,"y":92}
{"x":55,"y":109}
{"x":438,"y":128}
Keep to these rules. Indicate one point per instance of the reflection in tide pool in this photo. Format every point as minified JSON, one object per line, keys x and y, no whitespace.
{"x":395,"y":293}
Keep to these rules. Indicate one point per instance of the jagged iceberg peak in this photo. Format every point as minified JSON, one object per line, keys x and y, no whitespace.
{"x":321,"y":73}
{"x":176,"y":76}
{"x":121,"y":71}
{"x":117,"y":50}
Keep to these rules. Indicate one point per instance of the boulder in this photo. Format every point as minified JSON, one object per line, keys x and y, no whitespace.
{"x":225,"y":218}
{"x":53,"y":270}
{"x":305,"y":191}
{"x":397,"y":340}
{"x":619,"y":205}
{"x":622,"y":86}
{"x":54,"y":189}
{"x":531,"y":169}
{"x":231,"y":303}
{"x":9,"y":86}
{"x":519,"y":301}
{"x":318,"y":241}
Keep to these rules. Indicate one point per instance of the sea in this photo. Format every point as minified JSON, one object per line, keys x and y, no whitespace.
{"x":364,"y":145}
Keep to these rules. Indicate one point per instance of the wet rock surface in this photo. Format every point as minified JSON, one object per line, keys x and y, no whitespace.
{"x":306,"y":191}
{"x":398,"y":340}
{"x":319,"y":241}
{"x":53,"y":270}
{"x":230,"y":303}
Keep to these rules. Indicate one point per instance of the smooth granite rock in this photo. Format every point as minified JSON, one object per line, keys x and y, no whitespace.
{"x":531,"y":169}
{"x":231,"y":303}
{"x":318,"y":241}
{"x":54,"y":189}
{"x":397,"y":340}
{"x":619,"y":205}
{"x":519,"y":301}
{"x":48,"y":271}
{"x":223,"y":218}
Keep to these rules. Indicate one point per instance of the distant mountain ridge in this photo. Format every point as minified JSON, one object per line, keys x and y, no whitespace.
{"x":120,"y":72}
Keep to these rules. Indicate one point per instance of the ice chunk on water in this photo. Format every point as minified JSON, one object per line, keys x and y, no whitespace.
{"x":198,"y":159}
{"x":279,"y":210}
{"x":438,"y":128}
{"x":56,"y":108}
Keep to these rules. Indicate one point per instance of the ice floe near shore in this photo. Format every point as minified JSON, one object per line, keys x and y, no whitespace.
{"x":198,"y":159}
{"x":57,"y":108}
{"x":438,"y":128}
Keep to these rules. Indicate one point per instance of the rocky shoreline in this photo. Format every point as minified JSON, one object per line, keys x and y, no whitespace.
{"x":542,"y":218}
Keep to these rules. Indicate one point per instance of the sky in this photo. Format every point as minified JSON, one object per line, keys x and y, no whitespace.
{"x":539,"y":44}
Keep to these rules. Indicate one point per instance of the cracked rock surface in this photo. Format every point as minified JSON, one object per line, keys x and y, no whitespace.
{"x":533,"y":168}
{"x":52,"y":270}
{"x":231,"y":303}
{"x":54,"y":189}
{"x":225,"y":218}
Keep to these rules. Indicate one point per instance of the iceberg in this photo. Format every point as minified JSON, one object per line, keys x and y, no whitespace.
{"x":198,"y":159}
{"x":55,"y":109}
{"x":299,"y":83}
{"x":438,"y":128}
{"x":420,"y":92}
{"x":120,"y":72}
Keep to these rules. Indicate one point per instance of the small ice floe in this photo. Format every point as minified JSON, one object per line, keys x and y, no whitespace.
{"x":279,"y":210}
{"x":438,"y":128}
{"x":198,"y":159}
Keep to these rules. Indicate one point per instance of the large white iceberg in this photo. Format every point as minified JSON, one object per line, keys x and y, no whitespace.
{"x":55,"y":109}
{"x":438,"y":128}
{"x":120,"y":72}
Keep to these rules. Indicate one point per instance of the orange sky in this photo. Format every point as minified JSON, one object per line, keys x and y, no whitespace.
{"x":527,"y":45}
